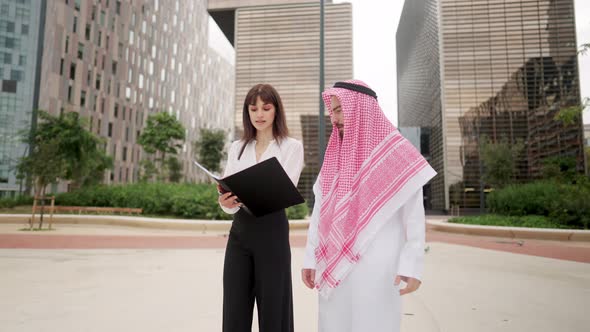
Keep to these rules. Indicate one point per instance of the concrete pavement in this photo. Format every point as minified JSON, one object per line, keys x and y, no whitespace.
{"x":465,"y":289}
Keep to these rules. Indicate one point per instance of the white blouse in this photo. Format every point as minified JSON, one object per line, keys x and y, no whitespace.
{"x":289,"y":153}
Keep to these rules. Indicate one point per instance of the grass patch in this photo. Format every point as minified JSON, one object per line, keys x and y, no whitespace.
{"x":531,"y":221}
{"x":35,"y":229}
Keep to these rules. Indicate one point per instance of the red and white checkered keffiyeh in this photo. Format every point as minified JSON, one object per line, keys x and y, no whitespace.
{"x":373,"y":165}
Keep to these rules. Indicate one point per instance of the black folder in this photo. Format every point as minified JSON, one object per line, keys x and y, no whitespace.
{"x":262,"y":188}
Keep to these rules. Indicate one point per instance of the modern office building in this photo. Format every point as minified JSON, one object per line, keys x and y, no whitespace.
{"x":114,"y":62}
{"x":20,"y":54}
{"x":496,"y":70}
{"x":278,"y":42}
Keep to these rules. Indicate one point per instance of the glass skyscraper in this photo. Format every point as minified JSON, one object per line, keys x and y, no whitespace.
{"x":493,"y":69}
{"x":20,"y":27}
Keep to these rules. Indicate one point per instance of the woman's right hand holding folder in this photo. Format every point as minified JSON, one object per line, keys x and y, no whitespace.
{"x":228,"y":200}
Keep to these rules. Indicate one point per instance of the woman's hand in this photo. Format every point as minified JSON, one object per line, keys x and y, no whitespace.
{"x":230,"y":201}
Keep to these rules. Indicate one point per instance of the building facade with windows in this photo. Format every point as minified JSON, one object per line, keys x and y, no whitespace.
{"x":278,"y":42}
{"x":491,"y":70}
{"x":115,"y":62}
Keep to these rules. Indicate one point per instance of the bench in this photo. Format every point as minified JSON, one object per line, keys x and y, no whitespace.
{"x":89,"y":209}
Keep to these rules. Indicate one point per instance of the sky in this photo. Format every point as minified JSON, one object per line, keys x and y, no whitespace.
{"x":375,"y":62}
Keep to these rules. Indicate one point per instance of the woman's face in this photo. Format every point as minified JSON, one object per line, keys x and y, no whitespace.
{"x":262,"y":115}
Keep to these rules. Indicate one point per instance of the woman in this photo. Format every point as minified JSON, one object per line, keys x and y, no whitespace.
{"x":258,"y":255}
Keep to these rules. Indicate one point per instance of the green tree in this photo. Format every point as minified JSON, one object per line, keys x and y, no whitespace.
{"x":499,"y":161}
{"x":62,"y":149}
{"x":572,"y":114}
{"x":584,"y":48}
{"x":162,"y":135}
{"x":209,"y":148}
{"x":560,"y":168}
{"x":175,"y":169}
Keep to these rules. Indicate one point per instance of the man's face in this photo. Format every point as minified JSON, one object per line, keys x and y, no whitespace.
{"x":337,"y":116}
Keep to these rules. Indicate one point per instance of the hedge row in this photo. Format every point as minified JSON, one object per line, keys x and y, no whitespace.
{"x":10,"y":202}
{"x":193,"y":201}
{"x":566,"y":204}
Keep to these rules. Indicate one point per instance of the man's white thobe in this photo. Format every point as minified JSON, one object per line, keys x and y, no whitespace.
{"x":367,"y":299}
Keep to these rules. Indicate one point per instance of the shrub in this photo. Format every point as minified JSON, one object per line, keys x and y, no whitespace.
{"x":515,"y":221}
{"x":10,"y":202}
{"x":519,"y":200}
{"x":564,"y":203}
{"x":193,"y":201}
{"x":298,"y":212}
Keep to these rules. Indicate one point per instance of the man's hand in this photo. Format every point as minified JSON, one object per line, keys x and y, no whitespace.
{"x":308,"y":277}
{"x":412,"y":284}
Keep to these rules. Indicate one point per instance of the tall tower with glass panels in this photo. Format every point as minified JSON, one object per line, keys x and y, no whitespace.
{"x":491,"y":69}
{"x":21,"y":24}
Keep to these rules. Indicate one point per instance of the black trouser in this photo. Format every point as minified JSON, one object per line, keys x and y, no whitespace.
{"x":258,"y":266}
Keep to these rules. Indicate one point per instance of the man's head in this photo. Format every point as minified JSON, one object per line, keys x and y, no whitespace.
{"x":337,"y":116}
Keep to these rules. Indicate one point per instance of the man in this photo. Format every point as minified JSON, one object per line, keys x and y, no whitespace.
{"x":367,"y":228}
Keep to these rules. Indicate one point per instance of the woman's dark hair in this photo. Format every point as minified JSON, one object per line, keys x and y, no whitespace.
{"x":269,"y":95}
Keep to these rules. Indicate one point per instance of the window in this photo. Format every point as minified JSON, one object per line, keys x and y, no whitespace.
{"x":22,"y":60}
{"x":124,"y":156}
{"x":87,"y":32}
{"x":9,"y":86}
{"x":80,"y":51}
{"x":97,"y":81}
{"x":83,"y":98}
{"x":61,"y":67}
{"x":4,"y":9}
{"x":16,"y":75}
{"x":70,"y":93}
{"x":77,"y":5}
{"x":7,"y":58}
{"x":9,"y":26}
{"x":75,"y":25}
{"x":72,"y":71}
{"x":118,"y":7}
{"x":9,"y":42}
{"x":22,"y":13}
{"x":89,"y":78}
{"x":114,"y":68}
{"x":102,"y":16}
{"x":110,"y":132}
{"x":99,"y":38}
{"x":116,"y":111}
{"x":24,"y":29}
{"x":67,"y":44}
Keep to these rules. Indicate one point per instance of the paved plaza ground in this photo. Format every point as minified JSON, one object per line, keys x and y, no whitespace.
{"x":105,"y":278}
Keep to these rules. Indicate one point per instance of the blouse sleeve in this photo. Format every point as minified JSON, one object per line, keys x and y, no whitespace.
{"x":414,"y":220}
{"x":232,"y":158}
{"x":294,"y":161}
